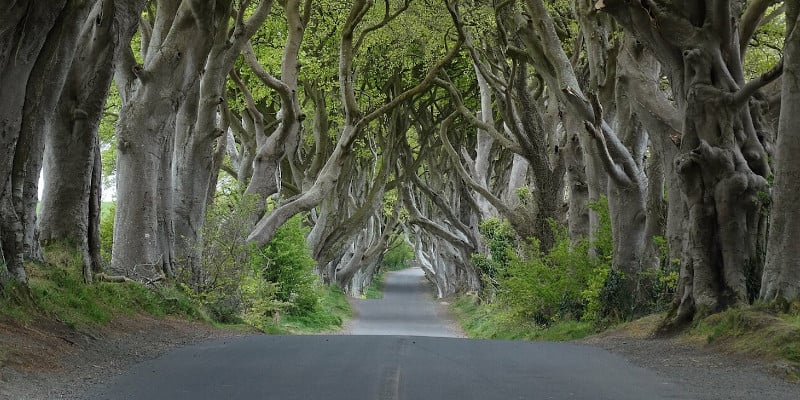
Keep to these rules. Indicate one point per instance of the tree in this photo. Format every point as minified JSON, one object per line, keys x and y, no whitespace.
{"x":37,"y":44}
{"x":72,"y":165}
{"x":175,"y":49}
{"x":781,"y":279}
{"x":722,"y":163}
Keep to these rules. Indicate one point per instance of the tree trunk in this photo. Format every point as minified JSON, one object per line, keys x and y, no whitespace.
{"x":70,"y":203}
{"x":152,"y":95}
{"x":199,"y":126}
{"x":37,"y":44}
{"x":722,"y":164}
{"x":781,"y":279}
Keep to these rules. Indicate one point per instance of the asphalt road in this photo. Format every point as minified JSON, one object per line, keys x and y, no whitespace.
{"x":407,"y":308}
{"x":398,"y":359}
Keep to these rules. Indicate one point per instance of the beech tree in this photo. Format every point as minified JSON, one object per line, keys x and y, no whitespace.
{"x":722,"y":163}
{"x":781,"y":279}
{"x":37,"y":45}
{"x":175,"y":49}
{"x":72,"y":165}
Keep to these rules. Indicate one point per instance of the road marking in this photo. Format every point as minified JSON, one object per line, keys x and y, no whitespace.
{"x":390,"y":383}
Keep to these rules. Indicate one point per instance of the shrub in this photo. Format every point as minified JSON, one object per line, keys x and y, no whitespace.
{"x":225,"y":258}
{"x":569,"y":282}
{"x":286,"y":261}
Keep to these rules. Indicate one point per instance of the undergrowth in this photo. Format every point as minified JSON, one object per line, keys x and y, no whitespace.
{"x":56,"y":290}
{"x":754,"y":331}
{"x":492,"y":321}
{"x":375,"y":289}
{"x":328,"y":315}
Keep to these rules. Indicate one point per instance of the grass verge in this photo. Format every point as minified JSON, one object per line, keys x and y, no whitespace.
{"x":375,"y":289}
{"x":57,"y":291}
{"x":754,"y":331}
{"x":329,"y":316}
{"x":488,"y":321}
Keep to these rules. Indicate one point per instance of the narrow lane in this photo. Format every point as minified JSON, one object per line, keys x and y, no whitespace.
{"x":390,"y":354}
{"x":407,"y":308}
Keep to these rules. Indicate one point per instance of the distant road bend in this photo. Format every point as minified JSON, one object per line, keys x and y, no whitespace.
{"x":399,"y":347}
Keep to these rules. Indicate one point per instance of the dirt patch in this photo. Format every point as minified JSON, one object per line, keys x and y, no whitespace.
{"x":705,"y":372}
{"x":47,"y":360}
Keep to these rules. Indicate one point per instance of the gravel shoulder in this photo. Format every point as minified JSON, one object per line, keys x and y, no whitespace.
{"x":706,"y":373}
{"x":47,"y":360}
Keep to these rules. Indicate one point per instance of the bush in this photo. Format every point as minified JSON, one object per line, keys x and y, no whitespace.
{"x":286,"y":261}
{"x":569,"y":282}
{"x":225,"y":259}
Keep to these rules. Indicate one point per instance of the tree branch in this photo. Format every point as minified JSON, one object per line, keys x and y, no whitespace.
{"x":743,"y":95}
{"x":472,"y":119}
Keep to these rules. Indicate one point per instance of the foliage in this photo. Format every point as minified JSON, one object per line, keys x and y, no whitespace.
{"x":493,"y":321}
{"x":243,"y":283}
{"x":375,"y":288}
{"x":398,"y":256}
{"x":500,"y":241}
{"x":107,"y":230}
{"x":57,"y":291}
{"x":286,"y":261}
{"x":545,"y":288}
{"x":329,"y":316}
{"x":225,"y":258}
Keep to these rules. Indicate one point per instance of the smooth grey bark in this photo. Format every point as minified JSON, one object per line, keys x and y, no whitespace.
{"x":36,"y":38}
{"x":200,"y":125}
{"x":273,"y":148}
{"x":70,"y":203}
{"x":662,"y":120}
{"x":578,"y":225}
{"x":152,"y":94}
{"x":781,"y":278}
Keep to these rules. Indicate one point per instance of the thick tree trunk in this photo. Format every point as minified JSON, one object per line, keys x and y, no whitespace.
{"x":781,"y":279}
{"x":153,"y":93}
{"x":200,"y":126}
{"x":37,"y":44}
{"x":71,"y":173}
{"x":722,"y":164}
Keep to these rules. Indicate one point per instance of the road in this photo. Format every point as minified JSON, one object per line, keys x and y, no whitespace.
{"x":407,"y":308}
{"x":399,"y":357}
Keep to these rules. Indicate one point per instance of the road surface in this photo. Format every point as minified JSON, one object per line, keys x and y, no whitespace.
{"x":407,"y":308}
{"x":398,"y":358}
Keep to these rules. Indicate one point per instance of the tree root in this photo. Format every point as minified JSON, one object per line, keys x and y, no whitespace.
{"x":103,"y":277}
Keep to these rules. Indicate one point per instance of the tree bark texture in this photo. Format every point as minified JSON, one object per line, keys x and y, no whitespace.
{"x":37,"y":43}
{"x":71,"y":201}
{"x":722,"y":165}
{"x":152,"y":95}
{"x":781,"y":279}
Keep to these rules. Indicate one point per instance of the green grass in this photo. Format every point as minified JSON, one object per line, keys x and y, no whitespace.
{"x":487,"y":321}
{"x":375,"y":288}
{"x":328,"y":316}
{"x":57,"y":291}
{"x":755,"y":331}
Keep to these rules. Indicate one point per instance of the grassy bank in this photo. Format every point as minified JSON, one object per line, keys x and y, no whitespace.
{"x":329,"y":316}
{"x":755,"y":332}
{"x":490,"y":321}
{"x":375,"y":288}
{"x":56,"y":292}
